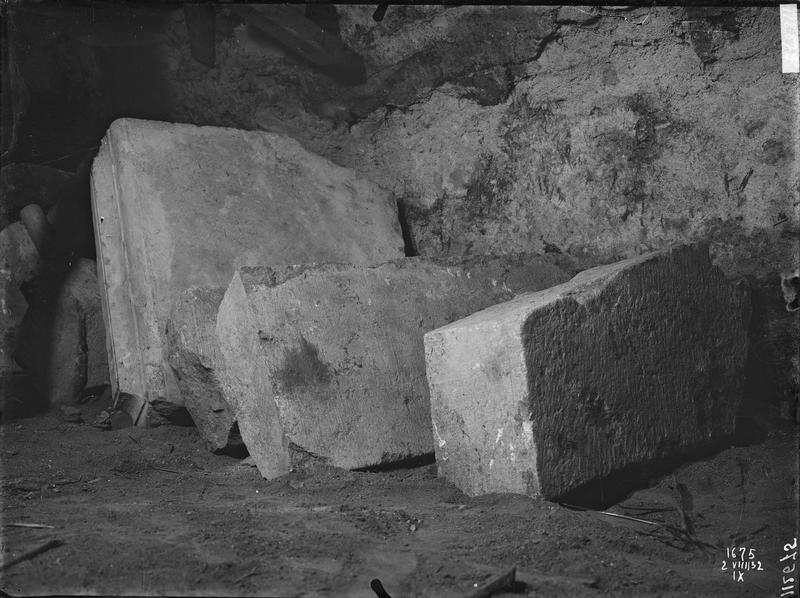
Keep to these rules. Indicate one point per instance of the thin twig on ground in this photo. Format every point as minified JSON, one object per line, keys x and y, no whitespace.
{"x":31,"y":554}
{"x":496,"y":584}
{"x":685,"y":535}
{"x":245,"y":576}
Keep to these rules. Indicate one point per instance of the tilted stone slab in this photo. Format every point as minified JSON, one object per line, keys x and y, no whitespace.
{"x":195,"y":360}
{"x":61,"y":342}
{"x":177,"y":206}
{"x":623,"y":364}
{"x":328,"y":360}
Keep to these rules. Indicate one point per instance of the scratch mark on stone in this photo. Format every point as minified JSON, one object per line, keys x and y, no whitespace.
{"x":745,"y":180}
{"x":441,"y":441}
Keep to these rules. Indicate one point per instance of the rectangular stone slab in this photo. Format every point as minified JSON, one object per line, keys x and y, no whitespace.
{"x":623,"y":364}
{"x":328,"y":360}
{"x":177,"y":206}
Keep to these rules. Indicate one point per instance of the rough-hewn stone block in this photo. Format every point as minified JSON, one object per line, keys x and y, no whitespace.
{"x":195,"y":359}
{"x":329,"y":359}
{"x":19,"y":258}
{"x":61,"y":342}
{"x":177,"y":206}
{"x":623,"y":364}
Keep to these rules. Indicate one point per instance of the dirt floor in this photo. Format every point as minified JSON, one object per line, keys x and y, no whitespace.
{"x":152,"y":512}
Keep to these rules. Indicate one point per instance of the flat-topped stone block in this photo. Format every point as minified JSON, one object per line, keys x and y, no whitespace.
{"x":177,"y":206}
{"x":328,"y":360}
{"x":621,"y":365}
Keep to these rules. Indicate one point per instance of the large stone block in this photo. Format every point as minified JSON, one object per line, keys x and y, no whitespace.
{"x":328,"y":359}
{"x":621,"y":365}
{"x":61,"y":343}
{"x":177,"y":206}
{"x":195,"y":359}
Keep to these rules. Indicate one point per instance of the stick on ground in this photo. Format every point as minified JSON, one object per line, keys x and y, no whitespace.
{"x":31,"y":553}
{"x":496,"y":584}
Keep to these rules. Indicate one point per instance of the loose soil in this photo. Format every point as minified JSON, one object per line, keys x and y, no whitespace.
{"x":152,"y":512}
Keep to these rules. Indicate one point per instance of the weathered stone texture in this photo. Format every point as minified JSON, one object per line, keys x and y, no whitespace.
{"x":96,"y":354}
{"x":177,"y":206}
{"x":623,"y":364}
{"x":19,"y":258}
{"x":62,"y":341}
{"x":329,"y":359}
{"x":35,"y":221}
{"x":195,"y":360}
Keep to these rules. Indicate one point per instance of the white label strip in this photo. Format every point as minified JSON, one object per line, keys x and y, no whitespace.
{"x":790,"y":45}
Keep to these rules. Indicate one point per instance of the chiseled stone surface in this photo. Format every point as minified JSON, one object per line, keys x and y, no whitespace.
{"x":623,"y":364}
{"x":328,"y":359}
{"x":19,"y":257}
{"x":195,"y":360}
{"x":176,"y":206}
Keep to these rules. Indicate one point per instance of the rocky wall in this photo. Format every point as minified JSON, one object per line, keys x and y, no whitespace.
{"x":590,"y":131}
{"x":596,"y":132}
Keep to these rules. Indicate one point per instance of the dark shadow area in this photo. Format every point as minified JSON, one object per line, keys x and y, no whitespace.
{"x":766,"y":393}
{"x":421,"y":461}
{"x":235,"y":447}
{"x":409,"y":247}
{"x":769,"y":395}
{"x":614,"y":488}
{"x":21,"y":400}
{"x":76,"y":68}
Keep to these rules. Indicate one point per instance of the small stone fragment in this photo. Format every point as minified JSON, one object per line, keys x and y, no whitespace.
{"x":194,"y":358}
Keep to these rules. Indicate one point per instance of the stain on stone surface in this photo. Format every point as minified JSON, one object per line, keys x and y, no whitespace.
{"x":303,"y":367}
{"x":489,"y":87}
{"x":774,"y":151}
{"x":646,"y":148}
{"x":709,"y":29}
{"x":678,"y":223}
{"x":485,"y":72}
{"x":753,"y":126}
{"x":608,"y":75}
{"x":489,"y":190}
{"x":596,"y":409}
